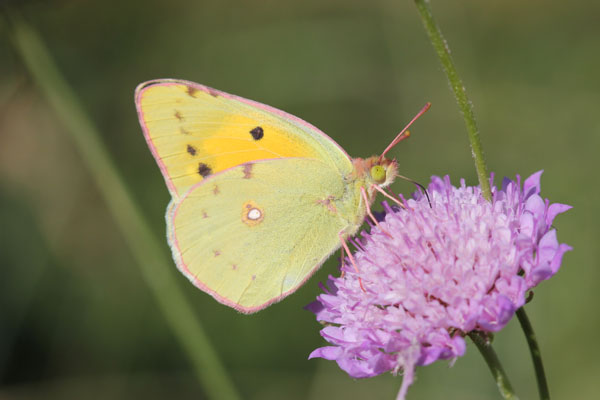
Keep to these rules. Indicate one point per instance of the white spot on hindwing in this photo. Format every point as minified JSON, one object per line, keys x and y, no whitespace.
{"x":252,"y":214}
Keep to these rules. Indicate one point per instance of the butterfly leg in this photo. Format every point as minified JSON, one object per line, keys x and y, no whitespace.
{"x":395,"y":200}
{"x":395,"y":196}
{"x":345,"y":247}
{"x":364,"y":196}
{"x":342,"y":257}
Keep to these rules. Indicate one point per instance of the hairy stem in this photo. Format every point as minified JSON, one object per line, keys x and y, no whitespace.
{"x":443,"y":51}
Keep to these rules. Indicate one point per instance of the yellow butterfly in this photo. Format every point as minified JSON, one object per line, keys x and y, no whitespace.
{"x":260,"y":198}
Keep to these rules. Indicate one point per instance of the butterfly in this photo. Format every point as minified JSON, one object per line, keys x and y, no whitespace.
{"x":260,"y":198}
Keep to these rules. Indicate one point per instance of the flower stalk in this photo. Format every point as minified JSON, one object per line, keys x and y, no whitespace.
{"x":536,"y":354}
{"x":489,"y":355}
{"x":466,"y":107}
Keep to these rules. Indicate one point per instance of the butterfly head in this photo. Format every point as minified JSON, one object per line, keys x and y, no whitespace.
{"x":376,"y":170}
{"x":383,"y":171}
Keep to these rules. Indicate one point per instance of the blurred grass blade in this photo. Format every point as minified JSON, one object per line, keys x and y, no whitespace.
{"x":155,"y":265}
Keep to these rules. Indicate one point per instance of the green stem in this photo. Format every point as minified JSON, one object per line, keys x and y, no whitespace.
{"x":490,"y":357}
{"x":443,"y":52}
{"x":144,"y":245}
{"x":536,"y":355}
{"x":466,"y":108}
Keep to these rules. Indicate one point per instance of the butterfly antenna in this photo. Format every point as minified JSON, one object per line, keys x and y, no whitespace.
{"x":404,"y":133}
{"x":419,"y":185}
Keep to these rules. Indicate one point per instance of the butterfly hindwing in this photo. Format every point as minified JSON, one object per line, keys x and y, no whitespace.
{"x":252,"y":234}
{"x":195,"y":131}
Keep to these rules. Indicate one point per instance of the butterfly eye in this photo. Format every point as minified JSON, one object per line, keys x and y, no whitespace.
{"x":378,"y":173}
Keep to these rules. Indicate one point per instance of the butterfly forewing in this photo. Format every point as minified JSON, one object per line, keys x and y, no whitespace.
{"x":195,"y":131}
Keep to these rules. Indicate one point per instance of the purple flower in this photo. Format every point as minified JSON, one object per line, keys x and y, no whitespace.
{"x":462,"y":264}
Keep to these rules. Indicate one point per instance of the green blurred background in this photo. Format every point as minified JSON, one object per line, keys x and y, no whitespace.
{"x":76,"y":318}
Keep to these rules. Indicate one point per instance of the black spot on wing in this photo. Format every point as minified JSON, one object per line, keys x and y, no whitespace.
{"x":257,"y":133}
{"x":191,"y":149}
{"x":204,"y":170}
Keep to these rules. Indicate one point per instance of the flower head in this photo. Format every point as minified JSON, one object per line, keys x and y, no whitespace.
{"x":459,"y":265}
